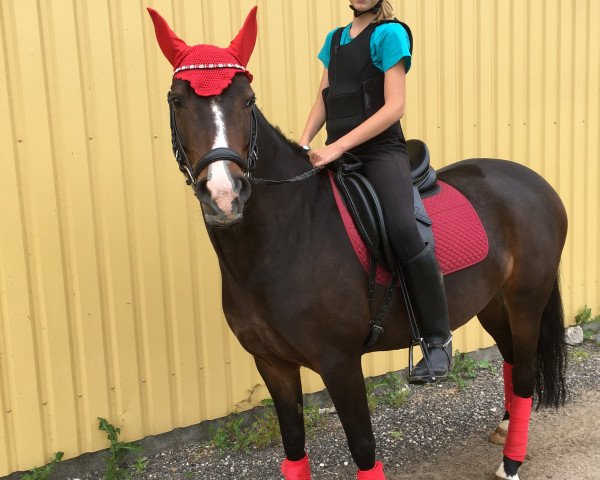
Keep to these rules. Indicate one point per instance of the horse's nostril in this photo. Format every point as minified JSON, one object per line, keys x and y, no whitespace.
{"x":237,"y":185}
{"x":244,"y":189}
{"x":201,"y":191}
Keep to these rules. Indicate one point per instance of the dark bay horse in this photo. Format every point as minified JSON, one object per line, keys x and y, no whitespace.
{"x":295,"y":295}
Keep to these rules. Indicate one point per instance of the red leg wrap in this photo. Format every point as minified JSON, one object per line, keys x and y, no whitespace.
{"x":376,"y":473}
{"x":508,"y":385}
{"x":298,"y":470}
{"x":518,"y":427}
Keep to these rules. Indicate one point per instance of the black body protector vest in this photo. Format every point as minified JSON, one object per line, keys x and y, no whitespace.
{"x":355,"y":89}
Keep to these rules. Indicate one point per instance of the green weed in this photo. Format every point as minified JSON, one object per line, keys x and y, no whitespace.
{"x":372,"y":399}
{"x":117,"y":452}
{"x":312,"y":420}
{"x":579,"y":354}
{"x":590,"y":325}
{"x":466,"y":368}
{"x":140,"y":465}
{"x":585,"y":316}
{"x":42,"y":473}
{"x":235,"y":434}
{"x":387,"y":390}
{"x":231,"y":436}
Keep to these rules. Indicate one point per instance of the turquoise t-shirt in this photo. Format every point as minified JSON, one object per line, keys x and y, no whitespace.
{"x":389,"y":45}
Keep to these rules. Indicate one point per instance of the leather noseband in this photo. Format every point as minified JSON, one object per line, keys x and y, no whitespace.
{"x":216,"y":154}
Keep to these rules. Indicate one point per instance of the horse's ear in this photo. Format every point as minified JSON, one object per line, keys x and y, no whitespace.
{"x":171,"y":45}
{"x":243,"y":44}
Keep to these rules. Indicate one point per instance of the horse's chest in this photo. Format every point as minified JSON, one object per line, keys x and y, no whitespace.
{"x":262,"y":339}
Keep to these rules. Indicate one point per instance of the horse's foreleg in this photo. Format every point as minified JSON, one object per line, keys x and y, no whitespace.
{"x":283,"y":382}
{"x":346,"y":386}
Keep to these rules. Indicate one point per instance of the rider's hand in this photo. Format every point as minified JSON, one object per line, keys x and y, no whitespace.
{"x":325,"y":155}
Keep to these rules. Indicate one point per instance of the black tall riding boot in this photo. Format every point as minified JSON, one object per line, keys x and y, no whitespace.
{"x":428,"y":297}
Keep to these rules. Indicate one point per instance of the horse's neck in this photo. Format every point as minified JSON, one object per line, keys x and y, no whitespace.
{"x":275,"y":215}
{"x":278,"y":158}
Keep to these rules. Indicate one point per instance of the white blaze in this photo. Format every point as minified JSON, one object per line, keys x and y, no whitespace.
{"x":219,"y":184}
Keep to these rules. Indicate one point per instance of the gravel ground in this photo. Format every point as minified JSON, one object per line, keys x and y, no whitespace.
{"x":440,"y":423}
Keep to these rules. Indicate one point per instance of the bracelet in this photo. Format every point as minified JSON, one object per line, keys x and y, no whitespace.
{"x":306,"y":148}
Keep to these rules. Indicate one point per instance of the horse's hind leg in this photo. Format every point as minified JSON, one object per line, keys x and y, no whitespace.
{"x":494,"y":319}
{"x":283,"y":382}
{"x":346,"y":386}
{"x":525,"y":300}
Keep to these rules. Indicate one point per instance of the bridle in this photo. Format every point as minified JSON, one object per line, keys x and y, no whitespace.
{"x":216,"y":154}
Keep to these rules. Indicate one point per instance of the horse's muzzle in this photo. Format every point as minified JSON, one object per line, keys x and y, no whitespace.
{"x":223,"y":204}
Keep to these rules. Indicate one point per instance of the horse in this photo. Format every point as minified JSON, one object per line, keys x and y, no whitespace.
{"x":294,"y":294}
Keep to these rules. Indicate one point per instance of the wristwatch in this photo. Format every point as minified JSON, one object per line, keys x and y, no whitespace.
{"x":306,"y":148}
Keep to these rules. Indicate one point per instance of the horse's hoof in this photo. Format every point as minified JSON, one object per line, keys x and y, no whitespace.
{"x":502,"y":475}
{"x":499,"y":436}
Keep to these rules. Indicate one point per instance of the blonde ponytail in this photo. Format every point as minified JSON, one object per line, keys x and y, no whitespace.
{"x":386,"y":12}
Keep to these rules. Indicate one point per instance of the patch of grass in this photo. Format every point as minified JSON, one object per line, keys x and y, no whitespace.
{"x":265,"y":430}
{"x":590,"y":325}
{"x":388,"y":390}
{"x":585,"y":316}
{"x":117,"y":452}
{"x":466,"y":368}
{"x":313,"y":420}
{"x":235,"y":434}
{"x":140,"y":465}
{"x":372,"y":399}
{"x":42,"y":473}
{"x":579,"y":354}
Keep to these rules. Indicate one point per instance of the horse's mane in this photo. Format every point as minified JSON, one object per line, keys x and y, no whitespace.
{"x":282,"y":136}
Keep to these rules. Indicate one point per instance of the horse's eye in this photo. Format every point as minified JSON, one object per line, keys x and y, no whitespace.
{"x":251,"y":102}
{"x":176,"y":102}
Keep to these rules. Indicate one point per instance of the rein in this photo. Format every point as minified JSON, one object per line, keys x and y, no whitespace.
{"x":218,"y":154}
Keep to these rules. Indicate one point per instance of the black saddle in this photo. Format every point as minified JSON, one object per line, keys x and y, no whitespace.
{"x":363,"y":204}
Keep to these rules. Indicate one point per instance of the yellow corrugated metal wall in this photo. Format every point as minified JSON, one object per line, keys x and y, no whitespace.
{"x":109,"y":290}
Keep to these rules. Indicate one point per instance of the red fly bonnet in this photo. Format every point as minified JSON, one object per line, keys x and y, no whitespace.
{"x":209,"y":69}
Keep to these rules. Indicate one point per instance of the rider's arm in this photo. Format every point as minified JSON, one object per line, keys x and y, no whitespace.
{"x":316,"y":117}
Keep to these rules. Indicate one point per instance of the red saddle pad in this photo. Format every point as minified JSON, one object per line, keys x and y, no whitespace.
{"x":460,"y":239}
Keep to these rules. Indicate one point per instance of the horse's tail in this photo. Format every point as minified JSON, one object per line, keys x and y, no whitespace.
{"x":550,"y":384}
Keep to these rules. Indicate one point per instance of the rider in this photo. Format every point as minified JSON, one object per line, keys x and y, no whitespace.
{"x":361,"y":100}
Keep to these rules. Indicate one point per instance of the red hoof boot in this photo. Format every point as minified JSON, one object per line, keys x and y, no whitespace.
{"x":298,"y":470}
{"x":376,"y":473}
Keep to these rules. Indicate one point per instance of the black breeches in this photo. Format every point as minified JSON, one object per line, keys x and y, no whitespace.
{"x":385,"y":164}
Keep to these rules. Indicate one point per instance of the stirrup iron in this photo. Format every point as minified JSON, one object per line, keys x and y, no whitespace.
{"x":430,"y":371}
